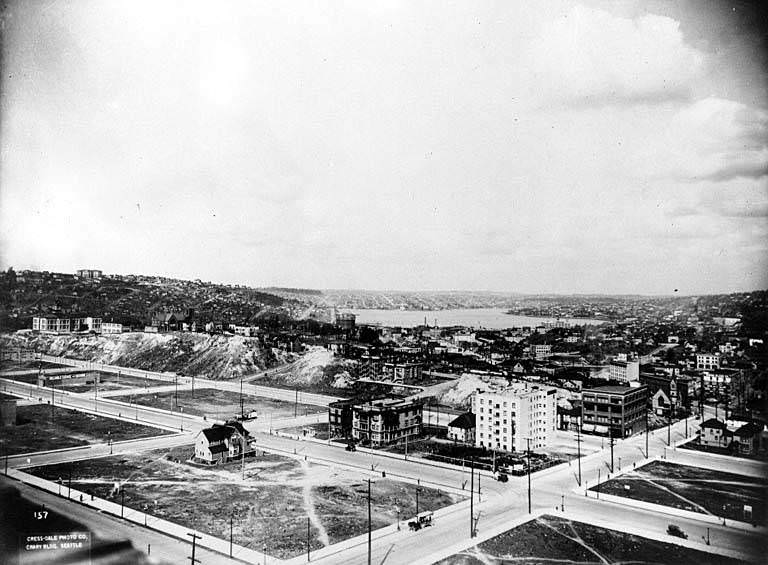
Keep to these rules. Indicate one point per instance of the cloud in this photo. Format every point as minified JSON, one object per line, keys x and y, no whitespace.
{"x":718,"y":140}
{"x":593,"y":58}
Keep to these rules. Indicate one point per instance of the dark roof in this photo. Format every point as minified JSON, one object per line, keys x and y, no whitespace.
{"x":612,"y":389}
{"x":219,"y":448}
{"x":748,"y":430}
{"x":465,"y":421}
{"x":714,"y":423}
{"x":217,"y":433}
{"x":236,"y":425}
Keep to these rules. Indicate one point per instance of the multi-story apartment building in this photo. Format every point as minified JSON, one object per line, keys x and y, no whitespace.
{"x":507,"y":420}
{"x":51,"y":325}
{"x":66,"y":325}
{"x":401,"y":372}
{"x":707,"y":361}
{"x":541,"y":350}
{"x":619,"y":411}
{"x":624,"y":371}
{"x":89,"y":273}
{"x":89,"y":324}
{"x":389,"y":420}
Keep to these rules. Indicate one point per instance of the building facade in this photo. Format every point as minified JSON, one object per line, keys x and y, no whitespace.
{"x":89,"y":274}
{"x":617,"y":411}
{"x":402,"y":372}
{"x":624,"y":371}
{"x":386,"y":421}
{"x":506,"y":420}
{"x":707,"y":361}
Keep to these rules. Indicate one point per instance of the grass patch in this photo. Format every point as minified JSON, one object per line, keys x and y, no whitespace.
{"x":693,"y":489}
{"x":552,"y":539}
{"x":40,"y":428}
{"x":269,"y":506}
{"x":220,"y":404}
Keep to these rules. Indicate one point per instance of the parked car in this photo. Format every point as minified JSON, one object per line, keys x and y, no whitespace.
{"x":351,"y":447}
{"x":501,"y":477}
{"x":673,"y":530}
{"x":421,"y":521}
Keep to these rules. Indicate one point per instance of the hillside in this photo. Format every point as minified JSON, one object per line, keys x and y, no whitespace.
{"x":129,"y":299}
{"x":201,"y":355}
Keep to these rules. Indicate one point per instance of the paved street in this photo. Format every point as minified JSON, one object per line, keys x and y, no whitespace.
{"x":498,"y":505}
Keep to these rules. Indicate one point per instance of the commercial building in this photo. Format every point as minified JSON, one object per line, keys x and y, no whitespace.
{"x":402,"y":372}
{"x":111,"y":328}
{"x":65,"y":325}
{"x":507,"y":420}
{"x":618,"y":411}
{"x":51,"y":325}
{"x":388,"y":420}
{"x":707,"y":361}
{"x":340,"y":418}
{"x":89,"y":274}
{"x":624,"y":371}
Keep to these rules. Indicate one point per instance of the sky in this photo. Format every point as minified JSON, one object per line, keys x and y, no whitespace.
{"x":558,"y":147}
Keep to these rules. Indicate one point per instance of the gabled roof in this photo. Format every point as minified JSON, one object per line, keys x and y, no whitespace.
{"x":714,"y":423}
{"x":464,"y":421}
{"x":748,"y":430}
{"x":216,"y":433}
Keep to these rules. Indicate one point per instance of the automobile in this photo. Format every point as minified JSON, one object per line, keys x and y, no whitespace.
{"x":674,"y":530}
{"x":501,"y":477}
{"x":351,"y":447}
{"x":423,"y":520}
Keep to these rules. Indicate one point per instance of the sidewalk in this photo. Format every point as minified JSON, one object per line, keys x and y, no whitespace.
{"x":143,"y":519}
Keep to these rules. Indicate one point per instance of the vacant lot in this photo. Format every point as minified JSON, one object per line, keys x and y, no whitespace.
{"x":694,"y":489}
{"x":695,"y":445}
{"x":551,"y":539}
{"x":110,"y":381}
{"x":447,"y":451}
{"x":270,"y":506}
{"x":220,"y":404}
{"x":40,"y":428}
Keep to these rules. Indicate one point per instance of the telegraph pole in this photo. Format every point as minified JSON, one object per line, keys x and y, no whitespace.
{"x":296,"y":404}
{"x":194,"y":537}
{"x":646,"y":432}
{"x":231,"y":520}
{"x":669,"y":426}
{"x":307,"y":538}
{"x":472,"y":498}
{"x":369,"y":519}
{"x":611,"y":442}
{"x":528,"y":440}
{"x":176,"y":399}
{"x":578,"y":448}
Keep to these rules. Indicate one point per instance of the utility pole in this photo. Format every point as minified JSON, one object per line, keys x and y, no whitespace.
{"x":369,"y":519}
{"x":611,"y":441}
{"x":296,"y":404}
{"x":598,"y":484}
{"x":646,"y":432}
{"x":122,"y":501}
{"x":95,"y":394}
{"x":307,"y":538}
{"x":176,"y":393}
{"x":528,"y":440}
{"x":231,"y":520}
{"x":472,"y":498}
{"x":69,"y":482}
{"x":578,"y":448}
{"x":242,"y":411}
{"x":194,"y":537}
{"x":669,"y":426}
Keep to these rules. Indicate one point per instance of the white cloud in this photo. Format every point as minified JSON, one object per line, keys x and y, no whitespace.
{"x":593,"y":57}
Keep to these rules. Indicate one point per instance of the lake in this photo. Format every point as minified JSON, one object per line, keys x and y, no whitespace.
{"x":488,"y":318}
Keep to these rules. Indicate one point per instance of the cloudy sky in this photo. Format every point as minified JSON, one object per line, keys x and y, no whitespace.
{"x":571,"y":146}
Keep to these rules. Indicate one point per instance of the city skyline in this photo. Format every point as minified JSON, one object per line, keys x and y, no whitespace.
{"x":572,"y":148}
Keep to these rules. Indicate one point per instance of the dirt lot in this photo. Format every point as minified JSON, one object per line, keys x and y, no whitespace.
{"x":320,"y":430}
{"x":456,"y":453}
{"x":696,"y":446}
{"x":220,"y":404}
{"x":551,"y":539}
{"x":37,"y":429}
{"x":690,"y":488}
{"x":111,"y":381}
{"x":271,"y":506}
